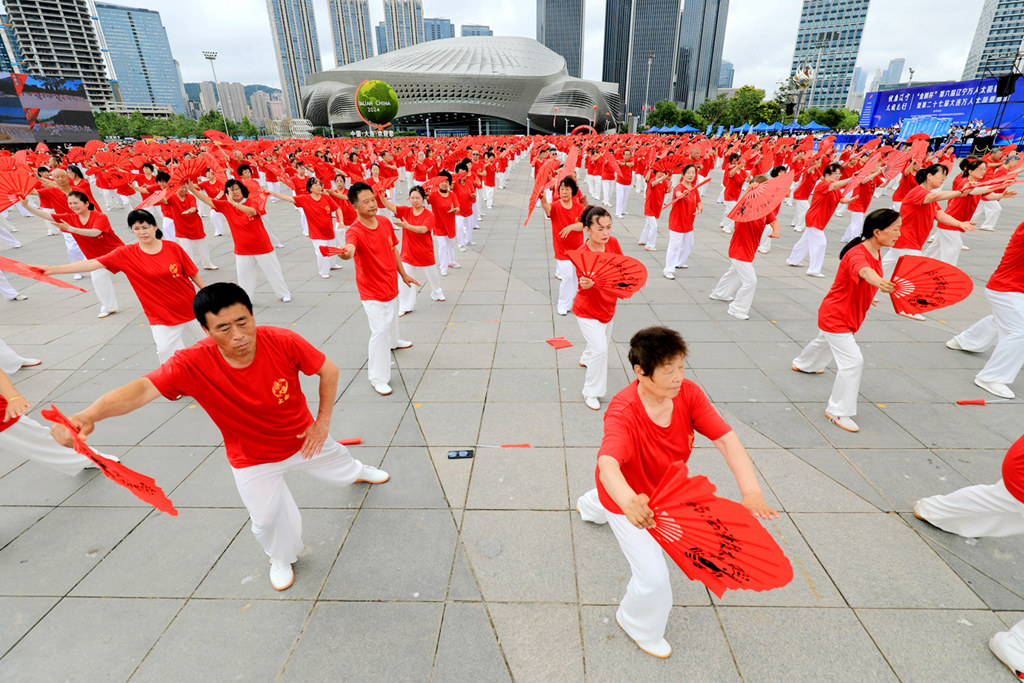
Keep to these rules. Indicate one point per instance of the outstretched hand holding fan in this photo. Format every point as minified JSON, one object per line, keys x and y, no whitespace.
{"x":619,"y":274}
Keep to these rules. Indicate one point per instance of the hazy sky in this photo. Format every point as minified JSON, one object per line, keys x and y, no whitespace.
{"x":934,"y":36}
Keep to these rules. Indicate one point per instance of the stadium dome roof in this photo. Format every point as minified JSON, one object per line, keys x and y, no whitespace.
{"x":463,"y":79}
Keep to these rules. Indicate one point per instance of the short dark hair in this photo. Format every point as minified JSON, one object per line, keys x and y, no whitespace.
{"x":310,"y":181}
{"x":243,"y":168}
{"x":143,"y":216}
{"x":82,"y":197}
{"x":239,"y":184}
{"x":355,"y":189}
{"x":570,"y":182}
{"x":216,"y":297}
{"x":419,"y":189}
{"x":163,"y":176}
{"x":591,"y":214}
{"x":652,"y":347}
{"x":831,"y":168}
{"x":149,"y":166}
{"x":445,"y":173}
{"x":76,"y":171}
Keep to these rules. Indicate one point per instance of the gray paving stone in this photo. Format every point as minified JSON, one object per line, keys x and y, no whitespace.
{"x":19,"y":615}
{"x":518,"y":478}
{"x":253,"y":647}
{"x":459,"y":355}
{"x":394,"y":555}
{"x":936,"y":425}
{"x":524,"y":384}
{"x":357,"y":641}
{"x":903,"y":476}
{"x":385,"y":415}
{"x":781,"y":423}
{"x":801,"y":488}
{"x":541,"y":641}
{"x":413,"y":482}
{"x":454,"y":475}
{"x":462,"y":586}
{"x":805,"y":645}
{"x":517,"y":423}
{"x":168,"y":465}
{"x":522,"y":556}
{"x":997,"y":594}
{"x":468,"y":649}
{"x":931,"y":645}
{"x":15,"y":519}
{"x":853,"y":547}
{"x":835,"y":466}
{"x":31,"y":483}
{"x":977,"y":465}
{"x":452,"y":385}
{"x":95,"y":645}
{"x":879,"y":427}
{"x":449,"y":425}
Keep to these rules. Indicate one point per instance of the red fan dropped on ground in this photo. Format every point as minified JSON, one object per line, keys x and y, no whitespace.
{"x":617,"y":273}
{"x":714,"y":540}
{"x":144,"y":488}
{"x":925,"y":284}
{"x":18,"y":268}
{"x":761,"y":200}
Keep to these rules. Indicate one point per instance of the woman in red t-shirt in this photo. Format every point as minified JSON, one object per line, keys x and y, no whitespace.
{"x":162,"y":276}
{"x":566,"y":235}
{"x":842,"y":312}
{"x":417,"y":252}
{"x":802,"y":194}
{"x":826,"y":197}
{"x":444,"y":205}
{"x":686,"y":204}
{"x":862,"y":195}
{"x":319,"y":210}
{"x":92,"y":232}
{"x":464,"y":189}
{"x":188,"y":225}
{"x":948,"y":242}
{"x":654,"y":201}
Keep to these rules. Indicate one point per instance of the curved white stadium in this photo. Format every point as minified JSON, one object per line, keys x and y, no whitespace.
{"x":470,"y":81}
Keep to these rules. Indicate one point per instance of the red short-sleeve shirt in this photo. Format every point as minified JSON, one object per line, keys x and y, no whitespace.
{"x":444,"y":218}
{"x":417,"y":248}
{"x":918,"y":219}
{"x":92,"y":247}
{"x":319,"y":215}
{"x":561,"y":217}
{"x":823,"y":204}
{"x":846,"y":303}
{"x":160,"y":280}
{"x":654,"y":200}
{"x":1009,"y":275}
{"x":596,"y":303}
{"x":376,"y":270}
{"x":247,"y":232}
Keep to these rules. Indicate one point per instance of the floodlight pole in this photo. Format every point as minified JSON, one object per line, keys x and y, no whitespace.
{"x":647,"y":89}
{"x":210,"y":55}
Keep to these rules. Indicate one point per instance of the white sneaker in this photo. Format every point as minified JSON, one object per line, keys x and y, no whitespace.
{"x":1005,"y":653}
{"x":30,"y":362}
{"x":656,"y":648}
{"x":382,"y":388}
{"x":741,"y":316}
{"x":955,"y":345}
{"x":104,"y":314}
{"x":821,"y":275}
{"x":798,"y":229}
{"x":670,"y":276}
{"x":462,"y":247}
{"x":913,"y":316}
{"x":997,"y":388}
{"x":281,"y":575}
{"x":986,"y":228}
{"x":719,"y":298}
{"x":19,"y":297}
{"x":372,"y":475}
{"x":403,"y":344}
{"x":437,"y":297}
{"x":286,"y":298}
{"x":78,"y":276}
{"x":592,"y":402}
{"x":843,"y":422}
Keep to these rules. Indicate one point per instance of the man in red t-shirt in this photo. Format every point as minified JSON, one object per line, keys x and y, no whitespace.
{"x":826,"y":197}
{"x":371,"y":241}
{"x":648,"y":431}
{"x":247,"y":380}
{"x":623,"y":179}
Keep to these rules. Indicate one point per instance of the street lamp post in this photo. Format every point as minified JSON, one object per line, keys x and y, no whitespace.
{"x":823,"y":40}
{"x":647,"y":89}
{"x":216,"y":91}
{"x":593,"y":124}
{"x":911,"y":81}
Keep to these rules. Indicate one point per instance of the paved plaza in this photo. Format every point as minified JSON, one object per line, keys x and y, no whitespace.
{"x":481,"y":570}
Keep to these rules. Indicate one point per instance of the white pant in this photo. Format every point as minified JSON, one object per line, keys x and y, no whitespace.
{"x":856,"y":226}
{"x":202,"y":246}
{"x":946,"y":247}
{"x":245,"y":270}
{"x":594,"y":183}
{"x":595,"y":355}
{"x":1004,"y":329}
{"x":810,"y":246}
{"x":892,"y":256}
{"x":168,"y":338}
{"x":383,"y":319}
{"x":649,"y":236}
{"x":7,"y":291}
{"x":765,"y":244}
{"x":738,"y":283}
{"x":10,"y":360}
{"x":75,"y":253}
{"x":276,"y":522}
{"x":167,"y":227}
{"x":103,"y":285}
{"x":800,"y":213}
{"x":639,"y":183}
{"x":325,"y":263}
{"x":463,"y":230}
{"x":609,"y":189}
{"x":568,"y":285}
{"x":218,"y":223}
{"x":644,"y":609}
{"x":26,"y":438}
{"x":727,"y":222}
{"x":445,"y":254}
{"x":849,"y":366}
{"x":407,"y":293}
{"x":982,"y":510}
{"x":489,"y":196}
{"x":303,"y":223}
{"x":274,"y":239}
{"x":987,"y":214}
{"x":5,"y":232}
{"x":621,"y":198}
{"x":680,"y":244}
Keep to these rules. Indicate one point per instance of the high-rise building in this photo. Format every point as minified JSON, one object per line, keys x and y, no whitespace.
{"x":860,"y":80}
{"x":560,"y":28}
{"x":382,"y":38}
{"x":60,"y":39}
{"x":276,"y":107}
{"x":436,"y":28}
{"x":232,"y":100}
{"x":701,"y":38}
{"x":726,"y":75}
{"x":641,"y":43}
{"x":997,"y":39}
{"x":10,"y":52}
{"x":476,"y":30}
{"x":828,"y":41}
{"x":350,"y":29}
{"x":207,"y":96}
{"x":894,"y":74}
{"x":403,"y":23}
{"x":259,"y":105}
{"x":138,"y":46}
{"x":298,"y":49}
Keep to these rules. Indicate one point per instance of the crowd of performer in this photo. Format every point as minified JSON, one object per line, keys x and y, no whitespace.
{"x":399,"y":213}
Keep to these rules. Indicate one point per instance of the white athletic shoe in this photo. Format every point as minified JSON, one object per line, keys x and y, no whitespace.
{"x":1005,"y":653}
{"x":843,"y":422}
{"x":281,"y":575}
{"x":382,"y":388}
{"x":592,"y":402}
{"x":372,"y":475}
{"x":656,"y":648}
{"x":955,"y":345}
{"x":997,"y":388}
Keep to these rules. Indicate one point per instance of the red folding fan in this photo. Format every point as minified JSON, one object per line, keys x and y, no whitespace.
{"x":926,"y":284}
{"x":15,"y":185}
{"x":714,"y":540}
{"x":218,"y":137}
{"x":761,"y":200}
{"x":617,"y":273}
{"x":93,"y":146}
{"x":543,"y":177}
{"x":18,"y":268}
{"x":76,"y":155}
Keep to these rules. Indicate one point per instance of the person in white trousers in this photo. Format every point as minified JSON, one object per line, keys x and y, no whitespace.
{"x":417,"y":253}
{"x":733,"y":178}
{"x":627,"y":474}
{"x":685,"y":206}
{"x":246,"y":377}
{"x":566,"y":235}
{"x":623,"y":179}
{"x":842,"y":312}
{"x":8,"y":292}
{"x":812,"y":244}
{"x":1004,"y":329}
{"x":654,"y":203}
{"x":11,"y":361}
{"x":987,"y":510}
{"x":948,"y":242}
{"x":318,"y":210}
{"x":370,"y":240}
{"x":444,"y":206}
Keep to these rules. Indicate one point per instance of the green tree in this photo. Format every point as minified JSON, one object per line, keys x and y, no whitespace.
{"x":138,"y":125}
{"x":715,"y":111}
{"x":111,"y":125}
{"x":247,"y":128}
{"x":743,"y":105}
{"x":665,"y":113}
{"x":688,"y":117}
{"x":850,"y":120}
{"x":768,"y":112}
{"x":211,"y":120}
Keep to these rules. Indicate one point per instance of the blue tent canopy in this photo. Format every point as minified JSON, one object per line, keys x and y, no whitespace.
{"x":793,"y":126}
{"x":814,"y":125}
{"x":654,"y":130}
{"x":744,"y":128}
{"x":674,"y":129}
{"x":687,"y":129}
{"x":760,"y":126}
{"x":775,"y":126}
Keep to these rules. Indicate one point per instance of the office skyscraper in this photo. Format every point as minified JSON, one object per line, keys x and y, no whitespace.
{"x":350,"y":29}
{"x":725,"y":75}
{"x":403,"y":23}
{"x":138,"y":47}
{"x":641,"y":38}
{"x":436,"y":28}
{"x":10,"y":52}
{"x":860,"y":80}
{"x":997,"y":39}
{"x":382,"y":38}
{"x":60,"y":39}
{"x":560,"y":28}
{"x":701,"y":37}
{"x":828,"y":41}
{"x":207,"y":96}
{"x":232,"y":100}
{"x":617,"y":14}
{"x":894,"y":74}
{"x":298,"y":49}
{"x":476,"y":30}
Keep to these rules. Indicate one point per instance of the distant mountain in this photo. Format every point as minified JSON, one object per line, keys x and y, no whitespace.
{"x":192,"y":90}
